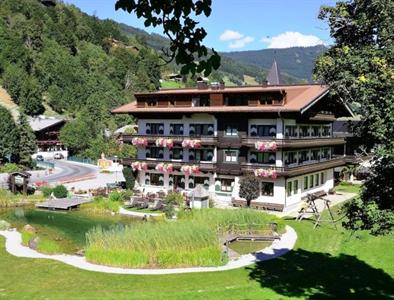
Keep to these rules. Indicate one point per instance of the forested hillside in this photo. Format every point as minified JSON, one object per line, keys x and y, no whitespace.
{"x":297,"y":61}
{"x":75,"y":64}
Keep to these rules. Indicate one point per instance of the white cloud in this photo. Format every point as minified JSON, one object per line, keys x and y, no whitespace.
{"x":240,"y":43}
{"x":292,"y":39}
{"x":229,"y":35}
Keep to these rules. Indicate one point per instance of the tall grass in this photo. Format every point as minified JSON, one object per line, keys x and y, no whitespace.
{"x":101,"y":205}
{"x":160,"y":244}
{"x":232,"y":220}
{"x":8,"y":199}
{"x":193,"y":240}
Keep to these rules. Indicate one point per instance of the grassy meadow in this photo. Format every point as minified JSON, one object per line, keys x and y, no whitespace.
{"x":325,"y":264}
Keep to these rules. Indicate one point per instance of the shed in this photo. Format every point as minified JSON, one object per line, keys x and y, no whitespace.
{"x":199,"y":197}
{"x":19,"y":178}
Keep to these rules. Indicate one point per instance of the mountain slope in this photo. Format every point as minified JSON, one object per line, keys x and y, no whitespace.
{"x":232,"y":69}
{"x":296,"y":61}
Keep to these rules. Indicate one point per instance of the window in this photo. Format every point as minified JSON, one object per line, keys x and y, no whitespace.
{"x":200,"y":101}
{"x":155,"y":128}
{"x":315,"y":155}
{"x":326,"y":131}
{"x":176,"y":153}
{"x":151,"y":102}
{"x":177,"y":181}
{"x":322,"y":178}
{"x":290,"y":157}
{"x":317,"y":179}
{"x":156,"y":179}
{"x":310,"y":181}
{"x":201,"y":154}
{"x":201,"y":129}
{"x":226,"y":184}
{"x":263,"y":130}
{"x":295,"y":186}
{"x":289,"y":188}
{"x":231,"y":131}
{"x":315,"y":131}
{"x":199,"y":180}
{"x":176,"y":129}
{"x":262,"y":157}
{"x":291,"y":131}
{"x":230,"y":156}
{"x":325,"y":153}
{"x":305,"y":182}
{"x":304,"y":131}
{"x":267,"y":188}
{"x":304,"y":156}
{"x":155,"y":152}
{"x":266,"y":99}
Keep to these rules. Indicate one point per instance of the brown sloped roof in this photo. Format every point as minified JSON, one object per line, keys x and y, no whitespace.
{"x":297,"y":98}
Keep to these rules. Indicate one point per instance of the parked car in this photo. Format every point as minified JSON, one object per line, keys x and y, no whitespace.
{"x":58,"y":156}
{"x":39,"y":158}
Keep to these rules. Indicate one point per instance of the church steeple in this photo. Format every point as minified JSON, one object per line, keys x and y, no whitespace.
{"x":273,"y":76}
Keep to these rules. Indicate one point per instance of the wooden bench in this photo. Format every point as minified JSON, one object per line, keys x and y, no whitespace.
{"x":266,"y":206}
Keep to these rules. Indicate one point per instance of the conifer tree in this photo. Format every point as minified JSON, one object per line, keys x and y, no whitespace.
{"x":27,"y":141}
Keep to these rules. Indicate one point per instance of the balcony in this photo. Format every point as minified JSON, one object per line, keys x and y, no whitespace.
{"x":295,"y":142}
{"x":204,"y":166}
{"x":299,"y":169}
{"x":205,"y":139}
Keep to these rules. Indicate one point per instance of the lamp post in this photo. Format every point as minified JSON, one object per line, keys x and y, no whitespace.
{"x":116,"y":169}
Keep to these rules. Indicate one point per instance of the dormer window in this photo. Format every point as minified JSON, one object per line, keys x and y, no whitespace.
{"x":151,"y":102}
{"x":155,"y":128}
{"x":263,"y":130}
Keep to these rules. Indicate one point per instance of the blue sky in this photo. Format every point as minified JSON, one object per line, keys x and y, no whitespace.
{"x":242,"y":24}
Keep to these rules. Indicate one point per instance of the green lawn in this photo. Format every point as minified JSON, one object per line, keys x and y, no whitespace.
{"x":170,"y":84}
{"x":325,"y":264}
{"x":348,"y":187}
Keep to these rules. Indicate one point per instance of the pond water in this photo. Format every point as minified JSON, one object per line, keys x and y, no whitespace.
{"x":245,"y":247}
{"x":66,"y":229}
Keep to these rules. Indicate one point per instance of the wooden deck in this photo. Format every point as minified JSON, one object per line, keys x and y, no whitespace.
{"x":62,"y":203}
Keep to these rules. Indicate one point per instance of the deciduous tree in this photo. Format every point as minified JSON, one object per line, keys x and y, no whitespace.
{"x":359,"y":69}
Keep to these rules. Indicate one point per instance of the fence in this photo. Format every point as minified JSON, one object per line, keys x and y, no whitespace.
{"x":45,"y":164}
{"x":82,"y":160}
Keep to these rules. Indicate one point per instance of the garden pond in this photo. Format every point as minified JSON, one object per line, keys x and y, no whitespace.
{"x":65,"y":231}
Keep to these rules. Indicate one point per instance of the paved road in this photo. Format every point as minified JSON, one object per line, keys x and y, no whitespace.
{"x":66,"y":170}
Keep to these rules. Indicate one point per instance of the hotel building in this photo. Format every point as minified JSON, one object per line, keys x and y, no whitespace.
{"x":213,"y":135}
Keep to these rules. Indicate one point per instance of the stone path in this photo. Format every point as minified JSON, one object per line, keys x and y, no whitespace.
{"x":278,"y":248}
{"x":123,"y":211}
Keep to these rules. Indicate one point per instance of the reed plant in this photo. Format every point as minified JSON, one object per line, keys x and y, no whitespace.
{"x":156,"y":244}
{"x":193,"y":240}
{"x":8,"y":199}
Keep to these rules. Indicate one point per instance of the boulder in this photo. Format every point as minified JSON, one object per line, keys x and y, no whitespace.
{"x":33,"y":243}
{"x":29,"y":228}
{"x":4,"y":225}
{"x":80,"y":252}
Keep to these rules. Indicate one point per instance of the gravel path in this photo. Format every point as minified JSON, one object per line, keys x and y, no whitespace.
{"x":278,"y":248}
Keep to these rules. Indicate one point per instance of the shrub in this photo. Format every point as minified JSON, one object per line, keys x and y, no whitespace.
{"x":9,"y":168}
{"x":4,"y":225}
{"x":174,"y":198}
{"x":249,"y":188}
{"x":46,"y":191}
{"x":116,"y":196}
{"x":60,"y":191}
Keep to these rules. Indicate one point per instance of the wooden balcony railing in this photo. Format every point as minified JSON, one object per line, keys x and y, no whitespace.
{"x":204,"y":166}
{"x":295,"y":142}
{"x":205,"y":139}
{"x":299,"y":169}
